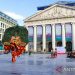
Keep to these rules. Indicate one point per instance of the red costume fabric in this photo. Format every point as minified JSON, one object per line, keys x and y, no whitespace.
{"x":15,"y":50}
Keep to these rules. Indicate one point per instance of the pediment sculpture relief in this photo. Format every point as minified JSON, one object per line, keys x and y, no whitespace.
{"x":55,"y":12}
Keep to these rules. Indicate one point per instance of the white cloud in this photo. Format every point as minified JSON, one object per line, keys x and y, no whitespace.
{"x":14,"y":15}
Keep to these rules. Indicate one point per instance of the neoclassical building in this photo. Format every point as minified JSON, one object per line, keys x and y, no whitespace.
{"x":52,"y":26}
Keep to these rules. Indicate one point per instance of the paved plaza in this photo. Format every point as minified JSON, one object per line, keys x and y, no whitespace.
{"x":37,"y":64}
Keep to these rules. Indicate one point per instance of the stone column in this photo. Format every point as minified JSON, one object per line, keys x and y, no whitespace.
{"x":44,"y":37}
{"x":27,"y":48}
{"x":27,"y":44}
{"x":73,"y":36}
{"x":53,"y":37}
{"x":35,"y":39}
{"x":63,"y":36}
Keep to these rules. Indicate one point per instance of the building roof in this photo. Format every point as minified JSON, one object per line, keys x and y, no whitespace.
{"x":8,"y":18}
{"x":67,"y":3}
{"x":64,"y":5}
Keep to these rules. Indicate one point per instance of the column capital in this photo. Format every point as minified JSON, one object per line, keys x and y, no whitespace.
{"x":52,"y":24}
{"x":72,"y":22}
{"x":43,"y":25}
{"x":34,"y":26}
{"x":29,"y":26}
{"x":62,"y":23}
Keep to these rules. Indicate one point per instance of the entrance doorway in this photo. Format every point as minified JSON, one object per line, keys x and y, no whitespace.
{"x":68,"y":46}
{"x":39,"y":46}
{"x":59,"y":43}
{"x":49,"y":46}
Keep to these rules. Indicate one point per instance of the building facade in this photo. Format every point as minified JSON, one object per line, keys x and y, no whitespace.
{"x":5,"y":22}
{"x":52,"y":26}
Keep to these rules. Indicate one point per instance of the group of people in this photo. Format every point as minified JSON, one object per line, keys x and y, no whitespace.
{"x":71,"y":54}
{"x":52,"y":52}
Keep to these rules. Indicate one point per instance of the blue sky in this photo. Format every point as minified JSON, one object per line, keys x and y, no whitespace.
{"x":20,"y":9}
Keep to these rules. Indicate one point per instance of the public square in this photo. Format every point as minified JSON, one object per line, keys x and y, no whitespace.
{"x":37,"y":64}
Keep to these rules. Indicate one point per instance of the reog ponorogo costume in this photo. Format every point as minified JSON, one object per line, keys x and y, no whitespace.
{"x":15,"y":40}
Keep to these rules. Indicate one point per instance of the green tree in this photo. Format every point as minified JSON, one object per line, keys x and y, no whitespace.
{"x":15,"y":31}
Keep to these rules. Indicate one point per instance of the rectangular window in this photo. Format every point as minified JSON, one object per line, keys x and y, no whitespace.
{"x":1,"y":24}
{"x":5,"y":26}
{"x":68,"y":28}
{"x":0,"y":36}
{"x":3,"y":30}
{"x":0,"y":30}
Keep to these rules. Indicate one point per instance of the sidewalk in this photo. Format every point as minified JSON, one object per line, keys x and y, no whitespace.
{"x":37,"y":64}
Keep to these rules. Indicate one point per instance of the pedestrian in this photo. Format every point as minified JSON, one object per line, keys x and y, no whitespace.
{"x":29,"y":52}
{"x":52,"y":53}
{"x":44,"y":50}
{"x":55,"y":53}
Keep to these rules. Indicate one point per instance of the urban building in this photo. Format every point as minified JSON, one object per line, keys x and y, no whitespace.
{"x":5,"y":22}
{"x":51,"y":27}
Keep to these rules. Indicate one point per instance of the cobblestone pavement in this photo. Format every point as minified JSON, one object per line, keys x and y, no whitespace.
{"x":37,"y":64}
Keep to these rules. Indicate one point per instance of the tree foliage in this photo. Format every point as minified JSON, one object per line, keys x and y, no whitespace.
{"x":15,"y":31}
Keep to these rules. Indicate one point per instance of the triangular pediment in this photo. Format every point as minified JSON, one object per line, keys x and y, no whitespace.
{"x":52,"y":12}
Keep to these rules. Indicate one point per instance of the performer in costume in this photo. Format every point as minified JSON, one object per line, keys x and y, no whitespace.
{"x":15,"y":40}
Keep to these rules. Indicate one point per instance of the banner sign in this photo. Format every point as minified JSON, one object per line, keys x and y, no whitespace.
{"x":48,"y":33}
{"x":30,"y":34}
{"x":39,"y":33}
{"x":61,"y":49}
{"x":58,"y":32}
{"x":68,"y":32}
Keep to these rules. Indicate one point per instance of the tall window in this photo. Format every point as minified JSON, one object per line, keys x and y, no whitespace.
{"x":58,"y":31}
{"x":0,"y":30}
{"x":48,"y":37}
{"x":58,"y":34}
{"x":30,"y":34}
{"x":39,"y":33}
{"x":0,"y":36}
{"x":1,"y":24}
{"x":30,"y":37}
{"x":39,"y":37}
{"x":68,"y":28}
{"x":48,"y":33}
